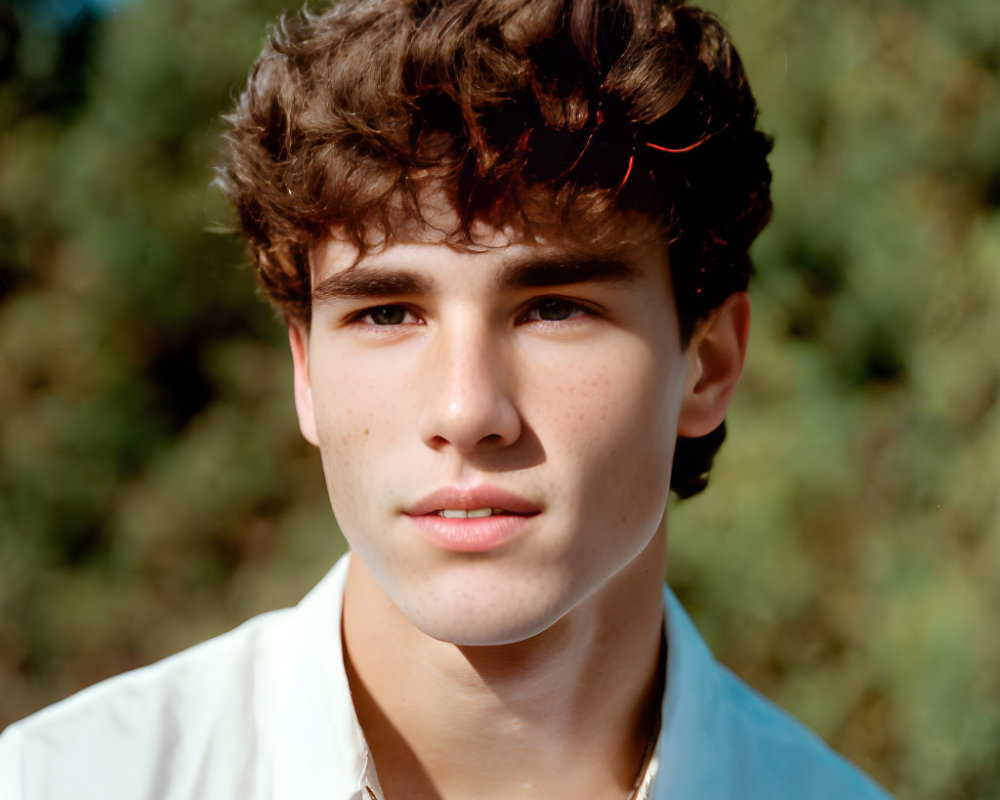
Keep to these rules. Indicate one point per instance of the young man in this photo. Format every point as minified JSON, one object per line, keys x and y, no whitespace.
{"x":509,"y":238}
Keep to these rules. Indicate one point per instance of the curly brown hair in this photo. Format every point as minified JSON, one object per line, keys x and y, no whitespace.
{"x":554,"y":118}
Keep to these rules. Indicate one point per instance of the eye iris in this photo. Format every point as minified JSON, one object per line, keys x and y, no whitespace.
{"x":388,"y":315}
{"x":553,"y":310}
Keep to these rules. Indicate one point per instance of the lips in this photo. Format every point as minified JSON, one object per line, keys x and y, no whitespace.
{"x":472,"y":520}
{"x":476,"y":499}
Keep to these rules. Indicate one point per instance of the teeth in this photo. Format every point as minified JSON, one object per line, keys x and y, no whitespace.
{"x":475,"y":513}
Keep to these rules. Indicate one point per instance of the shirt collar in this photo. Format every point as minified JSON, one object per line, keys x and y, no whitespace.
{"x":687,"y":744}
{"x":320,"y":743}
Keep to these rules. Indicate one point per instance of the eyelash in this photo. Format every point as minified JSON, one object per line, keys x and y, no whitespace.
{"x":576,"y":310}
{"x":575,"y":307}
{"x":360,"y":316}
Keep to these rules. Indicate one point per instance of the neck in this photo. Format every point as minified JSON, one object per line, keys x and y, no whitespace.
{"x":566,"y":713}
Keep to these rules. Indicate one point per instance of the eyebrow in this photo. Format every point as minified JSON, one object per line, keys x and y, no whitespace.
{"x":564,"y":270}
{"x":367,"y":282}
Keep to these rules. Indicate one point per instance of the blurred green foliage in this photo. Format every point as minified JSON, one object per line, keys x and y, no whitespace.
{"x":154,"y":490}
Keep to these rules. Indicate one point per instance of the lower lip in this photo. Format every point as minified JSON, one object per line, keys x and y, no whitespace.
{"x":475,"y":535}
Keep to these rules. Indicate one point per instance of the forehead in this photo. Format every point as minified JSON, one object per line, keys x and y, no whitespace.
{"x":337,"y":253}
{"x":498,"y":263}
{"x":438,"y":235}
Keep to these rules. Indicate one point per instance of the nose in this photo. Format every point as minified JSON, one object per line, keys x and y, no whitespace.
{"x":467,"y":392}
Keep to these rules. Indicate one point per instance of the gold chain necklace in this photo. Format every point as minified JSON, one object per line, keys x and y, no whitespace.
{"x":654,"y":727}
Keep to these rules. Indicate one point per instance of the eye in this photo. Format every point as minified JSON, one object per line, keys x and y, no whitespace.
{"x":554,"y":309}
{"x":386,"y":315}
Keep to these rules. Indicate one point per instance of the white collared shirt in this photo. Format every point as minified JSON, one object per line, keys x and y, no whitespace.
{"x":265,"y":712}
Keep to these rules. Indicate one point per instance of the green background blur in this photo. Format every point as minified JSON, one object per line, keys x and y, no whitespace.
{"x":154,"y":490}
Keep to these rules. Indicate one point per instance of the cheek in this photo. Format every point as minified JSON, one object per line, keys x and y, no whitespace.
{"x":353,"y":400}
{"x":614,"y":399}
{"x":615,"y":411}
{"x":355,"y":413}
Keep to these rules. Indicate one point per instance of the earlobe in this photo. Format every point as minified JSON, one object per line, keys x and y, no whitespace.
{"x":298,"y":339}
{"x":715,"y":361}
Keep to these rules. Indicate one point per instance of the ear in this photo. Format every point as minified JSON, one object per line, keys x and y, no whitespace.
{"x":298,"y":338}
{"x":715,"y":361}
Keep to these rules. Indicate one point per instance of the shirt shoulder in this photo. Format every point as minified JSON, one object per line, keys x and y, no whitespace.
{"x":722,"y":740}
{"x":776,"y":756}
{"x":154,"y":731}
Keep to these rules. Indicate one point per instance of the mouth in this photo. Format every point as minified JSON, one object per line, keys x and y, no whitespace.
{"x":475,"y":513}
{"x":473,"y":502}
{"x":472,"y":520}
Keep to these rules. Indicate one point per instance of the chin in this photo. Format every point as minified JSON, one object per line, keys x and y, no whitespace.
{"x":478,"y":633}
{"x":483,"y":613}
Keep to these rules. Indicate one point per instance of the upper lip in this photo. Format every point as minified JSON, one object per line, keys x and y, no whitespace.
{"x":471,"y":498}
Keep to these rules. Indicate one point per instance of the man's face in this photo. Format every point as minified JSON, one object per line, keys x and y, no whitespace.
{"x":538,"y":390}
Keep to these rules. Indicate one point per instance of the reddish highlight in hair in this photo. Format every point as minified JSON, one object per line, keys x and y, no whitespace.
{"x":686,"y":149}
